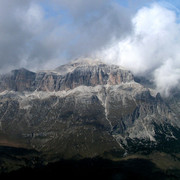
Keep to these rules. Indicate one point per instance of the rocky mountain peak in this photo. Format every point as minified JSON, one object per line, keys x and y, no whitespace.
{"x":85,"y":63}
{"x":82,"y":71}
{"x":86,"y":108}
{"x":17,"y":80}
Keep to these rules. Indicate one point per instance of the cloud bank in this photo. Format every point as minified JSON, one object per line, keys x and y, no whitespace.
{"x":152,"y":50}
{"x":39,"y":34}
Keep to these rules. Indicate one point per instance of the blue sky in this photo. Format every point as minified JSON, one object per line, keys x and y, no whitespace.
{"x":51,"y":10}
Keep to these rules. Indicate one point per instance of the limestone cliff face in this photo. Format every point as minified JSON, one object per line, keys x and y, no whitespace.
{"x":85,"y":108}
{"x":70,"y":76}
{"x":18,"y":80}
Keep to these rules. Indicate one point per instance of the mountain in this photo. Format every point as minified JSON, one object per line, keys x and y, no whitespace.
{"x":85,"y":109}
{"x":66,"y":77}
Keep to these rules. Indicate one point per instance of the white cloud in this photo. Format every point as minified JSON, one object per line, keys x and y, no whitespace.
{"x":33,"y":18}
{"x":153,"y":47}
{"x":167,"y":76}
{"x":37,"y":33}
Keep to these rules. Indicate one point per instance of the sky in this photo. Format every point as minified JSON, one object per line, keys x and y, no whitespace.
{"x":141,"y":35}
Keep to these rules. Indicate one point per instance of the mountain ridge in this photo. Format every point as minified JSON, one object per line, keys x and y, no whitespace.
{"x":92,"y":110}
{"x":67,"y":76}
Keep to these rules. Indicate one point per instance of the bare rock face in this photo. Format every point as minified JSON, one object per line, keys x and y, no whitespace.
{"x":80,"y":72}
{"x":85,"y":108}
{"x":18,"y":80}
{"x":92,"y":73}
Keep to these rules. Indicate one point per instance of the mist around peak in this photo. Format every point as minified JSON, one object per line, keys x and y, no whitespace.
{"x":152,"y":49}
